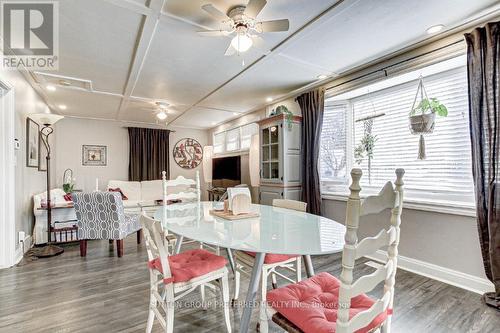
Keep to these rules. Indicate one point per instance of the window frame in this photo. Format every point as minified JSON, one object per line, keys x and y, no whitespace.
{"x":338,"y":189}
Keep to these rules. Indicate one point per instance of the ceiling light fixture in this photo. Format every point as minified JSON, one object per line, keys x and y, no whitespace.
{"x":241,"y":43}
{"x":162,"y":115}
{"x":64,"y":83}
{"x":435,"y":28}
{"x":62,"y":107}
{"x":51,"y":88}
{"x":322,"y":76}
{"x":269,"y":99}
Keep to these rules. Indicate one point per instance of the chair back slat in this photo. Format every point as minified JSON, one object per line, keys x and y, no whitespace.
{"x":194,"y":194}
{"x":290,"y":204}
{"x":391,"y":196}
{"x":375,"y":204}
{"x":155,"y":239}
{"x":370,"y":245}
{"x":366,"y":283}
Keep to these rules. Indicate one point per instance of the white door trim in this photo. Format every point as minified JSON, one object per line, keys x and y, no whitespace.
{"x":7,"y":176}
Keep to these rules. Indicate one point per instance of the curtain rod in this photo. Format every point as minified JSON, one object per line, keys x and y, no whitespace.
{"x":166,"y":129}
{"x":384,"y":69}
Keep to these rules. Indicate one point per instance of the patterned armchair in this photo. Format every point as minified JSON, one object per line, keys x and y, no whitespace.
{"x":100,"y":215}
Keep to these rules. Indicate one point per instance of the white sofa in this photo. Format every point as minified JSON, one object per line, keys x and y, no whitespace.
{"x":145,"y":192}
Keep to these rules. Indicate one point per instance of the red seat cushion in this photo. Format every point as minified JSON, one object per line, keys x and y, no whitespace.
{"x":312,"y":304}
{"x":190,"y":264}
{"x":273,"y":258}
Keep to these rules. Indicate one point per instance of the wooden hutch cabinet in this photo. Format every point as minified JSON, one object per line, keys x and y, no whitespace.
{"x":280,"y":161}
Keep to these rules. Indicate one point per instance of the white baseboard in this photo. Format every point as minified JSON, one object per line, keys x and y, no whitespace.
{"x":446,"y":275}
{"x":19,"y":251}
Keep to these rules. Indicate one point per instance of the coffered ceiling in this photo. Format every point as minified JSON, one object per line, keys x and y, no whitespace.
{"x":138,"y":52}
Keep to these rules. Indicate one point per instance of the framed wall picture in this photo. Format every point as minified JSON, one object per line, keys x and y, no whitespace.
{"x":32,"y":143}
{"x":94,"y":155}
{"x":188,"y":153}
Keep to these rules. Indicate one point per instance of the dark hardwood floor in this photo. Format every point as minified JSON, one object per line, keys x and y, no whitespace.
{"x":103,"y":293}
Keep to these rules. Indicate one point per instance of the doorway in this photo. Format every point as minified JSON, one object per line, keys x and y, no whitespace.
{"x":7,"y":176}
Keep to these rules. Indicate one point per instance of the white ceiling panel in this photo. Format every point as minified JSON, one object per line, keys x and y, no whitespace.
{"x":182,"y":67}
{"x":84,"y":104}
{"x":273,"y":77}
{"x":200,"y":117}
{"x":364,"y":30}
{"x":96,"y":42}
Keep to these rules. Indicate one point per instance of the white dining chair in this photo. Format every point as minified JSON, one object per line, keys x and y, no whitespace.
{"x":308,"y":305}
{"x":272,"y":262}
{"x":174,"y":276}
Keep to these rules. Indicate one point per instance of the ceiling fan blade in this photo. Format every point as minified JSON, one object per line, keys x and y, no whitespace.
{"x":213,"y":33}
{"x":216,"y":13}
{"x":274,"y":26}
{"x":254,"y":7}
{"x":230,"y":51}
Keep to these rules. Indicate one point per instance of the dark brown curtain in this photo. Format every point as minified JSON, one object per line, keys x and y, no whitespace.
{"x":312,"y":106}
{"x":149,"y":153}
{"x":483,"y":60}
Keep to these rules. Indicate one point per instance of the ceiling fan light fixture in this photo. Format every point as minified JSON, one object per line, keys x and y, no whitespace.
{"x":162,"y":115}
{"x":241,"y":43}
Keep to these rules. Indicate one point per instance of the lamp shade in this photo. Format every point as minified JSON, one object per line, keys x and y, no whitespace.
{"x":254,"y":161}
{"x":208,"y":153}
{"x":46,"y":119}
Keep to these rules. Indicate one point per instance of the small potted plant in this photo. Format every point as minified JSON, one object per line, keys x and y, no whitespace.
{"x":282,"y":109}
{"x":422,"y":117}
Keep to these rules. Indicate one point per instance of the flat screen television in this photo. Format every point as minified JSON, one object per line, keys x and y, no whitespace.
{"x":227,"y":168}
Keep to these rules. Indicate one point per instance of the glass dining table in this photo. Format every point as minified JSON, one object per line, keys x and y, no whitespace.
{"x":275,"y":230}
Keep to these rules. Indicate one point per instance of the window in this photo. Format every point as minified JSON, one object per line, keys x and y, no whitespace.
{"x":219,"y":142}
{"x":444,"y":177}
{"x":247,"y":132}
{"x":233,"y":139}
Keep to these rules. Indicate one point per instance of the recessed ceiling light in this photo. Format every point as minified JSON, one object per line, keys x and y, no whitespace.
{"x":62,"y":107}
{"x":322,"y":77}
{"x":51,"y":88}
{"x":435,"y":28}
{"x":162,"y":115}
{"x":214,"y":123}
{"x":64,"y":83}
{"x":269,"y":99}
{"x":235,"y":113}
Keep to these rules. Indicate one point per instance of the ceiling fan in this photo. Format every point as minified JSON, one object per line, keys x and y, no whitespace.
{"x":241,"y":25}
{"x":159,"y":109}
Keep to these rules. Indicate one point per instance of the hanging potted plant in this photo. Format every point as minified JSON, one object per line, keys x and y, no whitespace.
{"x":366,"y":147}
{"x":423,"y":115}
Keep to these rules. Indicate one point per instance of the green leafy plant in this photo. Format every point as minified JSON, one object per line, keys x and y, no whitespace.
{"x":282,"y":109}
{"x":68,"y":187}
{"x":427,"y":105}
{"x":366,"y":146}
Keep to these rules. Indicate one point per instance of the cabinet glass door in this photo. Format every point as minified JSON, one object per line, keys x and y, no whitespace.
{"x":270,"y":153}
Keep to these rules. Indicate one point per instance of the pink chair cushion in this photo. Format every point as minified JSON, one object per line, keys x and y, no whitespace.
{"x":190,"y":264}
{"x":311,"y":304}
{"x":273,"y":258}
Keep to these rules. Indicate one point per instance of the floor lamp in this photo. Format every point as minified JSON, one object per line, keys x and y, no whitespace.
{"x":47,"y":120}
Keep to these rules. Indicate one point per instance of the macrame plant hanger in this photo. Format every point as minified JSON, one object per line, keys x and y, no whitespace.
{"x":422,"y":123}
{"x":367,"y":133}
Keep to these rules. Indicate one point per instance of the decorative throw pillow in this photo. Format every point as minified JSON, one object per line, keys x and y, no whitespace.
{"x":124,"y":197}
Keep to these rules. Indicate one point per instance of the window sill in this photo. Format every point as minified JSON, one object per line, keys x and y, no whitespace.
{"x":452,"y":208}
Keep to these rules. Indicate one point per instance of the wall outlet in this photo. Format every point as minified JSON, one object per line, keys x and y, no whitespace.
{"x":22,"y":236}
{"x":17,"y":144}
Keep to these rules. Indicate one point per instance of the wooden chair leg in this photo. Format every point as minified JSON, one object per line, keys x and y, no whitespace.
{"x":111,"y":241}
{"x":83,"y":247}
{"x":139,"y":236}
{"x":119,"y":247}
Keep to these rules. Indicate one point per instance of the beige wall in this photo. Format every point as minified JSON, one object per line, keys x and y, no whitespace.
{"x":446,"y":240}
{"x":28,"y":181}
{"x":72,"y":133}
